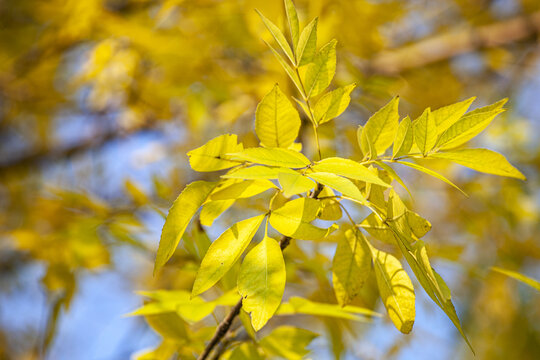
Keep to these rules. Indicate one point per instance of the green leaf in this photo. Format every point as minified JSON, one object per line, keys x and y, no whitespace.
{"x":276,"y":120}
{"x":320,"y":72}
{"x":292,"y":19}
{"x":244,"y":189}
{"x":425,"y":132}
{"x":293,"y":219}
{"x":257,"y":172}
{"x":307,"y":44}
{"x":348,"y":168}
{"x":261,"y":281}
{"x":483,"y":160}
{"x":404,"y":139}
{"x":273,"y":157}
{"x":351,"y":266}
{"x":381,"y":128}
{"x":224,"y":252}
{"x":345,"y":186}
{"x":180,"y":214}
{"x":332,"y":104}
{"x":448,"y":115}
{"x":432,"y":173}
{"x":213,"y":209}
{"x":466,"y":128}
{"x":278,"y":36}
{"x":288,"y":69}
{"x":288,"y":342}
{"x":293,"y":184}
{"x":212,"y":155}
{"x":520,"y":277}
{"x":396,"y":290}
{"x":298,"y":305}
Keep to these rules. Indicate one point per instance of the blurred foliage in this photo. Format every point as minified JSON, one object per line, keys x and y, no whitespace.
{"x":82,"y":81}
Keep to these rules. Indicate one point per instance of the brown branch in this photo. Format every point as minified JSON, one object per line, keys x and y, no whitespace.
{"x":445,"y":46}
{"x":225,"y":325}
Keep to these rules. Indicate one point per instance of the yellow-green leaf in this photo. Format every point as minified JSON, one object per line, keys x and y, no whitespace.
{"x":320,"y":72}
{"x":396,"y":290}
{"x":345,"y":186}
{"x":261,"y":281}
{"x":432,"y":173}
{"x":288,"y":69}
{"x":448,"y":115}
{"x":418,"y":224}
{"x":292,"y":19}
{"x":298,"y":305}
{"x":244,"y":189}
{"x":257,"y":172}
{"x":376,"y":228}
{"x":483,"y":160}
{"x":381,"y":128}
{"x":180,"y":214}
{"x":212,"y":155}
{"x":330,"y":208}
{"x":348,"y":168}
{"x":425,"y":132}
{"x":273,"y":157}
{"x":293,"y":219}
{"x":213,"y":209}
{"x":351,"y":266}
{"x":294,"y":183}
{"x":278,"y":36}
{"x":307,"y":44}
{"x":404,"y":139}
{"x":288,"y":342}
{"x":224,"y":252}
{"x":276,"y":120}
{"x":332,"y":104}
{"x":467,"y":128}
{"x":524,"y":279}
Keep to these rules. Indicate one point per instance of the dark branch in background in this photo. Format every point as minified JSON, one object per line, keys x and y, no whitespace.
{"x":39,"y":157}
{"x":445,"y":46}
{"x":225,"y":325}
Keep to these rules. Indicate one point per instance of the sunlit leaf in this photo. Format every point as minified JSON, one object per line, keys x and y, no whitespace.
{"x":307,"y":44}
{"x":261,"y":281}
{"x":293,"y":219}
{"x":292,"y":19}
{"x":257,"y":172}
{"x":273,"y":157}
{"x":483,"y":160}
{"x":448,"y":115}
{"x":515,"y":275}
{"x":276,"y":121}
{"x":425,"y":132}
{"x":431,"y":173}
{"x":224,"y":252}
{"x":288,"y":69}
{"x":332,"y":104}
{"x":180,"y":214}
{"x":213,"y":209}
{"x":242,"y":189}
{"x":404,"y":139}
{"x":293,"y":184}
{"x":278,"y":36}
{"x":381,"y":128}
{"x":348,"y":168}
{"x":321,"y":71}
{"x":396,"y":290}
{"x":288,"y":342}
{"x":212,"y":155}
{"x":298,"y":305}
{"x":351,"y":266}
{"x":345,"y":186}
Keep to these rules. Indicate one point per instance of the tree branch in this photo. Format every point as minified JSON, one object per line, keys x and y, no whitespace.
{"x":225,"y":325}
{"x":445,"y":46}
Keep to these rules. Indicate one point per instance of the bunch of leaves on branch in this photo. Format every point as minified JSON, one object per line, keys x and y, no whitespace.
{"x":245,"y":265}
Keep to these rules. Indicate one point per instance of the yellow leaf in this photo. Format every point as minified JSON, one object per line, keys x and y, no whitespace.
{"x":257,"y":172}
{"x":261,"y":281}
{"x":448,"y":115}
{"x":483,"y":160}
{"x":292,"y":19}
{"x":276,"y":121}
{"x":273,"y":157}
{"x":524,"y":279}
{"x":213,"y":209}
{"x":224,"y":252}
{"x":404,"y":139}
{"x":180,"y":214}
{"x":320,"y":72}
{"x":351,"y":266}
{"x":332,"y":104}
{"x":345,"y":186}
{"x":381,"y":128}
{"x":348,"y":168}
{"x":307,"y":44}
{"x":242,"y":189}
{"x":293,"y":184}
{"x":425,"y":132}
{"x":396,"y":290}
{"x":212,"y":155}
{"x":278,"y":36}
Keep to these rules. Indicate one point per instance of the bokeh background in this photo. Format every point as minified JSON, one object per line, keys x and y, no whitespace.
{"x":101,"y":99}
